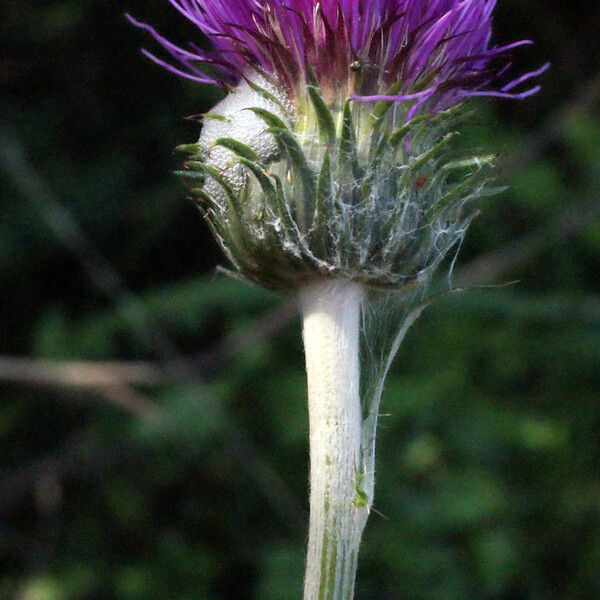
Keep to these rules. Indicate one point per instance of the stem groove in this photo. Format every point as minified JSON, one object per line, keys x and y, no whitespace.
{"x":338,"y":513}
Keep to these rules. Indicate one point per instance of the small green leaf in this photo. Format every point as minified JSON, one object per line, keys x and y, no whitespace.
{"x":216,"y":117}
{"x":472,"y":165}
{"x":289,"y":144}
{"x":348,"y":146}
{"x":450,"y":114}
{"x":361,"y":499}
{"x":325,"y":183}
{"x":201,"y":195}
{"x":263,"y":179}
{"x":188,"y":148}
{"x":375,"y":163}
{"x":348,"y":140}
{"x":215,"y":174}
{"x":422,"y":160}
{"x":267,"y":95}
{"x":379,"y":152}
{"x":324,"y":193}
{"x":271,"y":119}
{"x":402,"y":131}
{"x":454,"y":195}
{"x":312,"y":76}
{"x":194,"y":175}
{"x":282,"y":207}
{"x":237,"y":147}
{"x":477,"y":163}
{"x":324,"y":116}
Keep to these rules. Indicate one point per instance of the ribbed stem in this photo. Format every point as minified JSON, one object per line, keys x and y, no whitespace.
{"x":338,"y":511}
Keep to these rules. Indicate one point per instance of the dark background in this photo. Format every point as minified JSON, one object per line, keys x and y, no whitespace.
{"x":172,"y":462}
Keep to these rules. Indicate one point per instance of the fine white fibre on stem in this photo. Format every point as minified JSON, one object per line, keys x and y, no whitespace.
{"x":338,"y":509}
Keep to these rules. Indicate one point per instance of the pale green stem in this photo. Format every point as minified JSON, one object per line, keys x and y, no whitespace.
{"x":338,"y":504}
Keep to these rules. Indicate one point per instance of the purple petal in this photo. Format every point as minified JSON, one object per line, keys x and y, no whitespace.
{"x":387,"y":41}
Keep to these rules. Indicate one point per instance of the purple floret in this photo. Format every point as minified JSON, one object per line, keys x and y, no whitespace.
{"x":428,"y":51}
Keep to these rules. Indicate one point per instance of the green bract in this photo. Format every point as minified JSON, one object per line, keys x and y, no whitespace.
{"x":332,"y":188}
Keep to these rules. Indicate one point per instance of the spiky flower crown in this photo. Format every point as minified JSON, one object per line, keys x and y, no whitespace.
{"x":332,"y":154}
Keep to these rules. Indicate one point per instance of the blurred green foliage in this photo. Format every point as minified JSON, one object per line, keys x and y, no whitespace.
{"x":488,"y":461}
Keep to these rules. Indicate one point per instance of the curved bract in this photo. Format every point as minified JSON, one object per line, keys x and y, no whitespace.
{"x":356,"y":192}
{"x":332,"y":153}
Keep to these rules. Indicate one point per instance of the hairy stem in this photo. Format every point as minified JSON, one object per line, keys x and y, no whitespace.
{"x":338,"y":505}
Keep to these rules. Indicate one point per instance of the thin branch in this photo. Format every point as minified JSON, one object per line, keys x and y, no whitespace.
{"x":130,"y":400}
{"x":85,"y":375}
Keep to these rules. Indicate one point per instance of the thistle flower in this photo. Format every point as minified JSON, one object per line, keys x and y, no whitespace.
{"x":330,"y":170}
{"x":432,"y":49}
{"x":330,"y":156}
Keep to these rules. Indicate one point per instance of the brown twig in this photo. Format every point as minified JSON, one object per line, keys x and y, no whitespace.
{"x":84,"y":375}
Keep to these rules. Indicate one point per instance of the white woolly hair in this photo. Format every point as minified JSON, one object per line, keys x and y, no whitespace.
{"x":231,"y":118}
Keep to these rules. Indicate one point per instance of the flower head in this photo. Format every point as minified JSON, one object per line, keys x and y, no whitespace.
{"x":332,"y":153}
{"x":426,"y":50}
